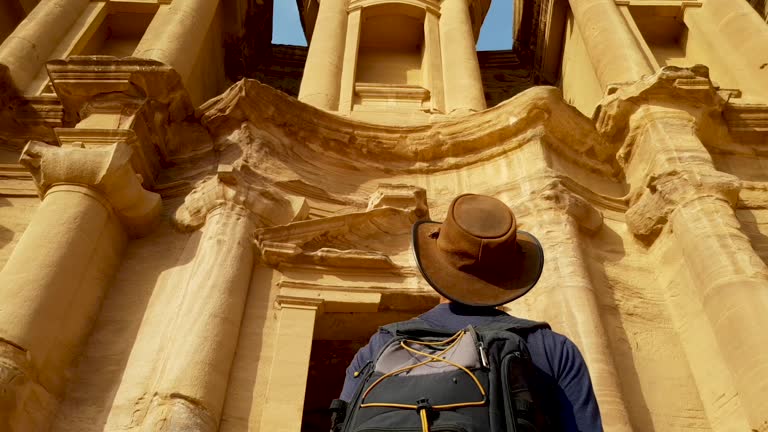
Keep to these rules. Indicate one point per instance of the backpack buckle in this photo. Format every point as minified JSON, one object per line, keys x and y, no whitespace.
{"x":423,"y":404}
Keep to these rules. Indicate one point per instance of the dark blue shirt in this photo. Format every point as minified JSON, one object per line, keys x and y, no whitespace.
{"x":553,"y":354}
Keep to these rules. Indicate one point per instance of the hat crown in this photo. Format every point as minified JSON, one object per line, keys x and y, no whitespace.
{"x":477,"y":256}
{"x":478,"y":233}
{"x":482,"y":216}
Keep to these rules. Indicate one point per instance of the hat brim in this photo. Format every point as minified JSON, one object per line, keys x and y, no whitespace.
{"x":508,"y":284}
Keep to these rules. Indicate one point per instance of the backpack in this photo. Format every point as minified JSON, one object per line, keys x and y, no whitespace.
{"x":427,"y":379}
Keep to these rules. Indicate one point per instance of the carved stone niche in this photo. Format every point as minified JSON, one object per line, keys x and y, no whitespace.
{"x":142,"y":103}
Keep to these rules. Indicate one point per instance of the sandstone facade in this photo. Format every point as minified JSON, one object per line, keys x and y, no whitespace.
{"x":185,"y":248}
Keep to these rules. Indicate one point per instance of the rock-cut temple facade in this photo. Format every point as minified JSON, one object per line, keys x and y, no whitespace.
{"x":199,"y":228}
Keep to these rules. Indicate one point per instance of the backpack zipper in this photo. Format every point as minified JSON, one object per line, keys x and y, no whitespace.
{"x":480,"y":347}
{"x":354,"y":404}
{"x":508,"y":413}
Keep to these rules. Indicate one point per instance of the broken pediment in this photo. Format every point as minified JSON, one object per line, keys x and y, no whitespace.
{"x":375,"y":239}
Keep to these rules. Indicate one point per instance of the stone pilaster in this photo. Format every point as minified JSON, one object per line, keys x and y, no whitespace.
{"x":191,"y":381}
{"x":558,"y":217}
{"x":284,"y":404}
{"x":52,"y":285}
{"x":674,"y":181}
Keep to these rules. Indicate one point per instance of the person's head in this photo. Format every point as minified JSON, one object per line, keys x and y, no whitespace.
{"x":477,"y":256}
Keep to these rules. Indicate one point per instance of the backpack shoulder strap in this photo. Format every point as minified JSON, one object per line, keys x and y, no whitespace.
{"x":414,"y":327}
{"x":513,"y":324}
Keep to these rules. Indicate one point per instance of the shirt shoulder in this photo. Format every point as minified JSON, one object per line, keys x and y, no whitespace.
{"x":553,"y":352}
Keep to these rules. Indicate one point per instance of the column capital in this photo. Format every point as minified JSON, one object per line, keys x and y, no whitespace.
{"x":228,"y":189}
{"x":137,"y":101}
{"x":555,"y":196}
{"x":106,"y":169}
{"x":652,"y":206}
{"x":682,"y":89}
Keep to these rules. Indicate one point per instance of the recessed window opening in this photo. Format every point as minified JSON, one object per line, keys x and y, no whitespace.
{"x":664,"y":32}
{"x":496,"y":32}
{"x":118,"y":35}
{"x":286,"y":24}
{"x":391,"y":57}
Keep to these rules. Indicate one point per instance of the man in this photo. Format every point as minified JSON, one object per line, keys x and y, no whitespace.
{"x":477,"y":260}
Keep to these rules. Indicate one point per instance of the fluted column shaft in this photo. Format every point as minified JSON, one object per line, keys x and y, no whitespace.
{"x":321,"y":84}
{"x":461,"y":71}
{"x":613,"y":50}
{"x":192,"y":381}
{"x":176,"y":34}
{"x":27,"y":49}
{"x":52,"y":285}
{"x":567,"y":299}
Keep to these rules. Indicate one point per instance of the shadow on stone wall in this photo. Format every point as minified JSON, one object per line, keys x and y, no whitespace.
{"x":605,"y":249}
{"x":6,"y":235}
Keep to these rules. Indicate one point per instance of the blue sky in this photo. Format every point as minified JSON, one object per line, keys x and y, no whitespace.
{"x":496,"y":33}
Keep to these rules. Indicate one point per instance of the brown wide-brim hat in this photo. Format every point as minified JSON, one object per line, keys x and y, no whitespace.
{"x":477,"y":256}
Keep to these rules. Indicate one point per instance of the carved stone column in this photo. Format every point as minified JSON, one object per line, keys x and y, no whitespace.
{"x":321,"y":84}
{"x":284,"y":405}
{"x":191,"y":381}
{"x":26,"y":50}
{"x":52,"y":285}
{"x":565,"y":293}
{"x":738,"y":38}
{"x":673,"y":180}
{"x":461,"y":71}
{"x":612,"y":48}
{"x":176,"y":34}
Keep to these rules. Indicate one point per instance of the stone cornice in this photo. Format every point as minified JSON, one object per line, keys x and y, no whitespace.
{"x":79,"y":79}
{"x":392,"y":210}
{"x":538,"y":113}
{"x":106,"y":169}
{"x":144,"y":100}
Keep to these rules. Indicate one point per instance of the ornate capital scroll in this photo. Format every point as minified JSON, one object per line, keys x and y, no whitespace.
{"x":106,"y":169}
